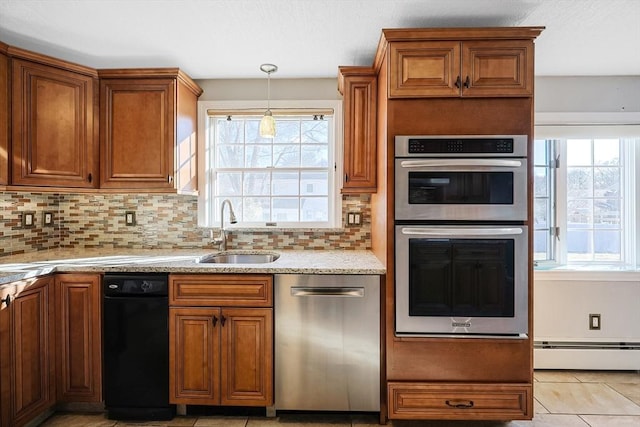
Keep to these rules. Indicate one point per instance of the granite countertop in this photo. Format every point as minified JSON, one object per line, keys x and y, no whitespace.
{"x":18,"y":267}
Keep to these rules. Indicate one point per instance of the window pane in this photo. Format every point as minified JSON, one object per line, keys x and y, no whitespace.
{"x":541,"y":213}
{"x":314,"y":183}
{"x":252,"y":133}
{"x":286,"y":156}
{"x":579,"y":246}
{"x":315,"y":156}
{"x":606,"y":152}
{"x":230,"y":156}
{"x":315,"y":131}
{"x":607,"y":245}
{"x":258,"y":156}
{"x":540,"y":153}
{"x":287,"y":132}
{"x":256,"y":209}
{"x":285,"y":184}
{"x":541,"y":181}
{"x":540,"y":244}
{"x":256,"y":184}
{"x":229,"y":184}
{"x":314,"y":209}
{"x":606,"y":213}
{"x":285,"y":209}
{"x":579,"y":152}
{"x":579,"y":213}
{"x":579,"y":182}
{"x":606,"y":182}
{"x":230,"y":132}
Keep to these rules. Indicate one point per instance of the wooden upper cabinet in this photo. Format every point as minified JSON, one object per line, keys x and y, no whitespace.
{"x":473,"y":62}
{"x":54,"y":128}
{"x":78,"y":337}
{"x":4,"y":115}
{"x":148,"y":130}
{"x":358,"y":86}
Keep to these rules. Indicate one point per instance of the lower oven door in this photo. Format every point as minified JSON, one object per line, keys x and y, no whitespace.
{"x":462,"y":280}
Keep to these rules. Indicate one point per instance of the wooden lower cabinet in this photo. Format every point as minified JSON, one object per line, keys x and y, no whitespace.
{"x":26,"y":351}
{"x":474,"y":401}
{"x":220,"y":355}
{"x":78,"y":338}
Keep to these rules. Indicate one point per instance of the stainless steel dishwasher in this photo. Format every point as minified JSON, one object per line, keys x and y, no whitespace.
{"x":327,"y":342}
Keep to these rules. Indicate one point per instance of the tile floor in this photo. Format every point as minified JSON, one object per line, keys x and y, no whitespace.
{"x":562,"y":398}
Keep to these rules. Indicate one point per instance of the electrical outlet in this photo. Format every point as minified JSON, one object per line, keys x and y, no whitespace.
{"x":28,"y":219}
{"x":594,"y":322}
{"x":47,"y":219}
{"x":130,"y":218}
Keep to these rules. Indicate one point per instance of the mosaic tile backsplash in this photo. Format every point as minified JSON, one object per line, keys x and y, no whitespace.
{"x":162,"y":221}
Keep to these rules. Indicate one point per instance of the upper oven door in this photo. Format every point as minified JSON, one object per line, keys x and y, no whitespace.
{"x":452,"y":189}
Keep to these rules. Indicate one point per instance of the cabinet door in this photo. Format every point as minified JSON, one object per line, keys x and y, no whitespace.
{"x":497,"y":68}
{"x":424,"y":69}
{"x":4,"y":116}
{"x":7,"y":295}
{"x":360,"y":99}
{"x":78,"y":338}
{"x":194,"y":356}
{"x":53,"y":137}
{"x":33,"y":388}
{"x":247,"y":357}
{"x":137,"y":133}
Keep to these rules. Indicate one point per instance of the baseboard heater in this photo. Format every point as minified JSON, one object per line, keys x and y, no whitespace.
{"x":581,"y":345}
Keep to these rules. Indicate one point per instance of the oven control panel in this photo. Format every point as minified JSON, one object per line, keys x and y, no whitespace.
{"x":455,"y":146}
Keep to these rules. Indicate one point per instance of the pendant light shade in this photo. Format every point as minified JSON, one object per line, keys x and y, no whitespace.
{"x":268,"y":123}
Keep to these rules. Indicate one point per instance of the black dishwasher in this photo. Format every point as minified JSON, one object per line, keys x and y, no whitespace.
{"x":136,"y":347}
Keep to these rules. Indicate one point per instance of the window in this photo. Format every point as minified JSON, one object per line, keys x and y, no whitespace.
{"x":584,"y":198}
{"x":284,"y":182}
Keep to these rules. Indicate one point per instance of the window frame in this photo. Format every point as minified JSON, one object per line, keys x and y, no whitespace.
{"x":207,"y":214}
{"x":623,"y":126}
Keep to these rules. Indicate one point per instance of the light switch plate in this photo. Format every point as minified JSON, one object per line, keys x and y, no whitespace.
{"x":130,"y":218}
{"x":47,"y":218}
{"x":28,"y":219}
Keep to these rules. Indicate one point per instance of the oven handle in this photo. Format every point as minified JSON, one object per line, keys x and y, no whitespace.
{"x":430,"y":163}
{"x":450,"y":231}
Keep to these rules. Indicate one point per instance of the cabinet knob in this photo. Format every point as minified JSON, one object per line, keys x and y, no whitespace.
{"x":215,"y":320}
{"x":90,"y":178}
{"x":170,"y":179}
{"x":467,"y":82}
{"x":346,"y":177}
{"x":222,"y":320}
{"x":6,"y":300}
{"x":458,"y":82}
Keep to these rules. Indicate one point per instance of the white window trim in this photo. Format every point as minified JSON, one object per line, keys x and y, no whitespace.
{"x":204,"y":219}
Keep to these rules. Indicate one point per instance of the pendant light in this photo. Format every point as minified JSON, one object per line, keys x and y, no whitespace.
{"x":268,"y":123}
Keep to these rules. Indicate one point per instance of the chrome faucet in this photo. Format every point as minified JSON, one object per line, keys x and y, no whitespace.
{"x":221,"y":240}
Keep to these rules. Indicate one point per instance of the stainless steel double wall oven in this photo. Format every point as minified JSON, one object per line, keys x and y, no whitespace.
{"x":460,"y":235}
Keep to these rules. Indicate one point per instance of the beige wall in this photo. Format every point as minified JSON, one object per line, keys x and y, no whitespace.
{"x":255,"y":89}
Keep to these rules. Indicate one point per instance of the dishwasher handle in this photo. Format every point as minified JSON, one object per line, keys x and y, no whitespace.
{"x":322,"y":291}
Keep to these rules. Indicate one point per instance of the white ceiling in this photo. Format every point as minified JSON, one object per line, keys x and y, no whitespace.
{"x":306,"y":38}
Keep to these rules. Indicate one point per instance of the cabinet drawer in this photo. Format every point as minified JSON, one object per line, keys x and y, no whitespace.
{"x":220,"y":290}
{"x":460,"y":401}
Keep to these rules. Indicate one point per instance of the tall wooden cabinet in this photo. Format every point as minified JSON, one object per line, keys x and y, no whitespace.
{"x":148,"y":129}
{"x":54,"y":122}
{"x":449,"y":81}
{"x":358,"y":86}
{"x":27,"y":382}
{"x":78,"y":338}
{"x":221,"y":339}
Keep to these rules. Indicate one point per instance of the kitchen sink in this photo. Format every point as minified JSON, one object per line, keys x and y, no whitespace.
{"x":239,"y":258}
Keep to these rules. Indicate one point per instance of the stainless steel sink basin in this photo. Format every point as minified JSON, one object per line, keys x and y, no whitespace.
{"x":239,"y":258}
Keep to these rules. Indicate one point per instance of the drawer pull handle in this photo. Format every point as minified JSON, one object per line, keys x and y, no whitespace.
{"x":460,"y":404}
{"x":215,"y":320}
{"x":458,"y":82}
{"x":222,"y":320}
{"x":6,"y":300}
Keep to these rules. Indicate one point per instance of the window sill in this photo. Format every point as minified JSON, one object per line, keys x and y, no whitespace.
{"x":595,"y":273}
